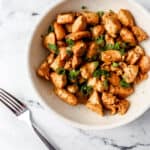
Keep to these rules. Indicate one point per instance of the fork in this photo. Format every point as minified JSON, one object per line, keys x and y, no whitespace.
{"x":23,"y":113}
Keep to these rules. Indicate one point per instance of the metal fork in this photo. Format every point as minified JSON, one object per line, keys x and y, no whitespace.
{"x":23,"y":113}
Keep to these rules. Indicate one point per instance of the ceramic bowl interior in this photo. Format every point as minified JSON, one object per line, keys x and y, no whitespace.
{"x":80,"y":116}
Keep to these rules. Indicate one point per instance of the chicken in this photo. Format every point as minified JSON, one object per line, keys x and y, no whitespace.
{"x":79,"y":24}
{"x":66,"y":96}
{"x":79,"y":48}
{"x":87,"y":70}
{"x":112,"y":108}
{"x":111,"y":24}
{"x":57,"y":63}
{"x":59,"y":31}
{"x":108,"y":98}
{"x":121,"y":92}
{"x":114,"y":79}
{"x":126,"y":18}
{"x":134,"y":55}
{"x":65,"y":18}
{"x":92,"y":50}
{"x":110,"y":56}
{"x":92,"y":18}
{"x":109,"y":39}
{"x":61,"y":44}
{"x":76,"y":61}
{"x":59,"y":80}
{"x":50,"y":58}
{"x":97,"y":31}
{"x":72,"y":88}
{"x":68,"y":64}
{"x":44,"y":70}
{"x":139,"y":33}
{"x":127,"y":36}
{"x":94,"y":103}
{"x":63,"y":53}
{"x":122,"y":106}
{"x":49,"y":39}
{"x":144,"y":64}
{"x":140,"y":77}
{"x":78,"y":35}
{"x":130,"y":73}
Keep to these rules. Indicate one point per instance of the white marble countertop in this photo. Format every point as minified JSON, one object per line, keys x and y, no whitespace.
{"x":17,"y":20}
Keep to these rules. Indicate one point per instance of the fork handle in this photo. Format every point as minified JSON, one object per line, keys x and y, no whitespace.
{"x":45,"y":141}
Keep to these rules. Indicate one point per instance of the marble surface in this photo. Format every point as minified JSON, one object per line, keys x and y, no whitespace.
{"x":17,"y":21}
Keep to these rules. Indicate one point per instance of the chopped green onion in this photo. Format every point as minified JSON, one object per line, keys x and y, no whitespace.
{"x":96,"y":63}
{"x":115,"y":64}
{"x":124,"y":84}
{"x":105,"y":83}
{"x":61,"y":71}
{"x":97,"y":73}
{"x":100,"y":40}
{"x":70,"y":42}
{"x":85,"y":89}
{"x":73,"y":74}
{"x":69,"y":51}
{"x":53,"y":48}
{"x":100,"y":13}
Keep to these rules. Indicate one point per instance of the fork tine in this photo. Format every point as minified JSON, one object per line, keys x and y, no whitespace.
{"x":9,"y":106}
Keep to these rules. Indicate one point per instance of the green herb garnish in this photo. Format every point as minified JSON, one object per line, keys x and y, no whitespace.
{"x":98,"y":72}
{"x":50,"y":29}
{"x":83,"y":7}
{"x":73,"y":74}
{"x":96,"y":63}
{"x":69,"y":51}
{"x":85,"y":89}
{"x":70,"y":42}
{"x":124,"y":84}
{"x":115,"y":64}
{"x":100,"y":40}
{"x":105,"y":83}
{"x":53,"y":48}
{"x":61,"y":71}
{"x":100,"y":13}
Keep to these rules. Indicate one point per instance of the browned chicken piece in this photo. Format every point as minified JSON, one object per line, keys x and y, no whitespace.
{"x":109,"y":39}
{"x":59,"y":31}
{"x":141,"y":77}
{"x":110,"y":56}
{"x":111,"y":24}
{"x":134,"y":55}
{"x":122,"y":106}
{"x":61,"y":44}
{"x":72,"y":88}
{"x":92,"y":50}
{"x":126,"y":17}
{"x":92,"y":18}
{"x":79,"y":48}
{"x":78,"y":35}
{"x":79,"y":24}
{"x":144,"y":64}
{"x":43,"y":70}
{"x":68,"y":27}
{"x":50,"y":58}
{"x":63,"y":53}
{"x":68,"y":64}
{"x":108,"y":98}
{"x":57,"y":63}
{"x":87,"y":70}
{"x":106,"y":66}
{"x":65,"y":18}
{"x":66,"y":96}
{"x":130,"y":73}
{"x":121,"y":91}
{"x":59,"y":80}
{"x":76,"y":61}
{"x":111,"y":108}
{"x":97,"y":31}
{"x":92,"y":81}
{"x":94,"y":103}
{"x":127,"y":36}
{"x":139,"y":33}
{"x":49,"y":39}
{"x":114,"y":79}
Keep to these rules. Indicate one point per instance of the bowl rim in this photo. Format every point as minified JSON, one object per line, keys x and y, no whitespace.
{"x":50,"y":109}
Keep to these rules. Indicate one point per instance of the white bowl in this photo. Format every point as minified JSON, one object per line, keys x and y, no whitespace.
{"x":80,"y":116}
